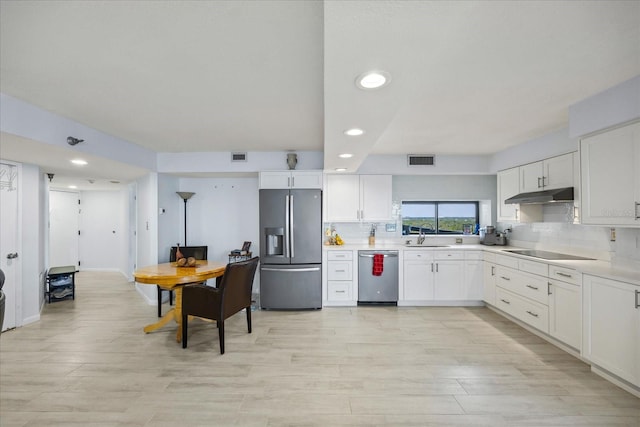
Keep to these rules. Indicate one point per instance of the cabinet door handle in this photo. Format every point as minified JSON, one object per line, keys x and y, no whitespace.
{"x":532,"y":313}
{"x":432,"y":267}
{"x":289,"y":182}
{"x":532,"y":287}
{"x":340,"y":271}
{"x":493,"y":270}
{"x":637,"y":214}
{"x":559,"y":273}
{"x":543,"y":184}
{"x":505,"y":301}
{"x":539,"y":182}
{"x":340,"y":292}
{"x":548,"y":288}
{"x":436,"y":267}
{"x":637,"y":303}
{"x":505,"y":278}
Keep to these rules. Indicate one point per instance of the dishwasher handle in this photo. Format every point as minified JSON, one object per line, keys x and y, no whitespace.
{"x":384,"y":255}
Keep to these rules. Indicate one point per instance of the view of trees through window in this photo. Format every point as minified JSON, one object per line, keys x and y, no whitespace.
{"x":439,"y":217}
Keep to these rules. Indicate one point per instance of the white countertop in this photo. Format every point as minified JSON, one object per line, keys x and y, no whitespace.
{"x":593,"y":267}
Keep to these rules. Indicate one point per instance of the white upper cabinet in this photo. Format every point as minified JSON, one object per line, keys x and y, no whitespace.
{"x":508,"y":185}
{"x":549,"y":174}
{"x":610,"y":165}
{"x":291,"y":179}
{"x":375,"y":197}
{"x":358,"y":198}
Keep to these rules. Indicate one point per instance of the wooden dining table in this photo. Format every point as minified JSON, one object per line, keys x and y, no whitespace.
{"x":172,"y":278}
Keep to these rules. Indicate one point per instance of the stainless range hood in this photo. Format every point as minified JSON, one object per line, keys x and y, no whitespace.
{"x":539,"y":197}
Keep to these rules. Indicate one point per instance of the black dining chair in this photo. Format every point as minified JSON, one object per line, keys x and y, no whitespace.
{"x":232,"y":295}
{"x":198,"y":252}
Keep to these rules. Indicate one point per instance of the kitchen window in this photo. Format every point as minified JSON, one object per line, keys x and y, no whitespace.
{"x":421,"y":217}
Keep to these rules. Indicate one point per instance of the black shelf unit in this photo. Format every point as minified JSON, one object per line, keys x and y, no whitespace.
{"x":61,"y":283}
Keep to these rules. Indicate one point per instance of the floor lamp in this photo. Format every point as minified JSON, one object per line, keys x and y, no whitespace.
{"x":186,"y":195}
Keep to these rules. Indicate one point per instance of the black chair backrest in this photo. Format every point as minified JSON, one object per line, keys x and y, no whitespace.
{"x":198,"y":252}
{"x":236,"y":286}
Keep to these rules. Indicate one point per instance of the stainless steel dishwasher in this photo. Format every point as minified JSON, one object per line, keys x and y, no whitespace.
{"x":382,"y":289}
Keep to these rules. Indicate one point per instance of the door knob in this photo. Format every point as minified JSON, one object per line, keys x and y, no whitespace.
{"x":12,"y":256}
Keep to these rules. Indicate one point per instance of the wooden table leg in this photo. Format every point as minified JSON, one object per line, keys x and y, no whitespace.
{"x":169,"y":316}
{"x":177,"y":309}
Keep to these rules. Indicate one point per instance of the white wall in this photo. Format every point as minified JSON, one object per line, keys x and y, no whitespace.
{"x":220,"y":162}
{"x":147,"y":230}
{"x":32,"y":256}
{"x":444,"y":165}
{"x":18,"y":117}
{"x":550,"y":145}
{"x":222,"y":214}
{"x":103,"y":242}
{"x":171,"y":222}
{"x":609,"y":108}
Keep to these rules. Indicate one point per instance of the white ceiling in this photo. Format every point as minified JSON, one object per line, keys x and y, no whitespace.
{"x":468,"y":77}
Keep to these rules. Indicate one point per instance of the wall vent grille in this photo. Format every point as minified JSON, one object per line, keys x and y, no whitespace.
{"x":238,"y":157}
{"x":421,"y":160}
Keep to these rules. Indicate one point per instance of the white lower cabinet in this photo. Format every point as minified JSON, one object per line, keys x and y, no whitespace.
{"x":448,"y":280}
{"x":530,"y":312}
{"x":473,"y":275}
{"x":441,"y":277}
{"x":339,"y":280}
{"x":418,"y":276}
{"x":565,"y":312}
{"x":611,"y":332}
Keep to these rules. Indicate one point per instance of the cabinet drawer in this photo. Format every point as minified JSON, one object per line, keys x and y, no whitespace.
{"x":534,"y":287}
{"x":530,"y":312}
{"x":476,"y":255}
{"x":507,"y":260}
{"x":449,"y":255}
{"x":489,"y":257}
{"x":339,"y":270}
{"x":339,"y":291}
{"x":418,"y":255}
{"x":523,"y":284}
{"x":564,"y":274}
{"x":533,"y":267}
{"x":339,"y":255}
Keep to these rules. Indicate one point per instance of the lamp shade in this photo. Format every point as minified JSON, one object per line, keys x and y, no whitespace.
{"x":186,"y":195}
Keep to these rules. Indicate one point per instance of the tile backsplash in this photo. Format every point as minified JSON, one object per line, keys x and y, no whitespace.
{"x":591,"y":241}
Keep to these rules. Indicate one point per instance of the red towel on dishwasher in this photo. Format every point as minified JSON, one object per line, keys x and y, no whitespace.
{"x":378,"y":264}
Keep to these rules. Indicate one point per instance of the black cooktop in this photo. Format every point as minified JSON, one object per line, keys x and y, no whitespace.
{"x":545,"y":255}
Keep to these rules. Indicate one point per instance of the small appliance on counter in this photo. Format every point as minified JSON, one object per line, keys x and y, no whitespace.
{"x":491,"y":237}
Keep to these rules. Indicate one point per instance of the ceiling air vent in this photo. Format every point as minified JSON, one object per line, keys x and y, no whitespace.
{"x":238,"y":157}
{"x":420,"y":160}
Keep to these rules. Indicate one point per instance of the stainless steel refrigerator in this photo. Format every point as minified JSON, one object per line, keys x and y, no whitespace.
{"x":290,"y":249}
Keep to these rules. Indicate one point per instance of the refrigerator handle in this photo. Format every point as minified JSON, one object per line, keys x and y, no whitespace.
{"x":286,"y":227}
{"x":291,"y":222}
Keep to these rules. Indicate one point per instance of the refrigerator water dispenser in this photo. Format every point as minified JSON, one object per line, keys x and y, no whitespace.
{"x":275,"y":241}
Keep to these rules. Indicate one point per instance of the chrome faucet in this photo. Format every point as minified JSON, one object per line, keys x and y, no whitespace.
{"x":421,"y":237}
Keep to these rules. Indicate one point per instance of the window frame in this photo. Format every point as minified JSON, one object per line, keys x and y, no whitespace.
{"x":436,"y":204}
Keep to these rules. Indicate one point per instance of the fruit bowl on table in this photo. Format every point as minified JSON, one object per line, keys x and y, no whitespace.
{"x":187,"y":262}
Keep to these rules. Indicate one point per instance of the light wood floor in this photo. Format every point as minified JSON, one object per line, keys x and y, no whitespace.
{"x":88,"y":363}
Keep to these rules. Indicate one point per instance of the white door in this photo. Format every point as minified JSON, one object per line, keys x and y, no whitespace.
{"x":64,"y":210}
{"x":531,"y":177}
{"x":342,"y":198}
{"x":508,"y":185}
{"x":10,"y":264}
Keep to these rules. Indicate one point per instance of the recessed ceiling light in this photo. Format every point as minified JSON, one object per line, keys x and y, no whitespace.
{"x":373,"y":80}
{"x":341,"y":169}
{"x":73,"y":186}
{"x":345,"y":155}
{"x":353,"y":132}
{"x":79,"y":162}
